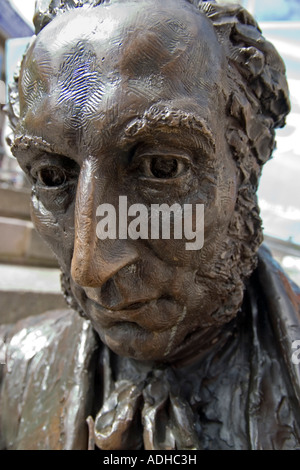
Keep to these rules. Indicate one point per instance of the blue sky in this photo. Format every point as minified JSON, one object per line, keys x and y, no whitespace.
{"x":265,"y":10}
{"x":277,"y":10}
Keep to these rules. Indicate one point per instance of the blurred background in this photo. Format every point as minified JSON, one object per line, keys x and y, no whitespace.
{"x":29,"y":275}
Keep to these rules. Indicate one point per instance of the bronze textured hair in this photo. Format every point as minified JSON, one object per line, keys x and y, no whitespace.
{"x":257,"y":103}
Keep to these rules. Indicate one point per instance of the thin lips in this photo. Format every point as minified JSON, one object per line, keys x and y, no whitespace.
{"x":136,"y":313}
{"x":128,"y":306}
{"x":120,"y":315}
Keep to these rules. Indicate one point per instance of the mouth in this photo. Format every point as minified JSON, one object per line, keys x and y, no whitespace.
{"x":122,"y":307}
{"x":143,"y":329}
{"x":154,"y":314}
{"x":134,"y":306}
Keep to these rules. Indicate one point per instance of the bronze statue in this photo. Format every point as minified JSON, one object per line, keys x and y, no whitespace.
{"x":174,"y":102}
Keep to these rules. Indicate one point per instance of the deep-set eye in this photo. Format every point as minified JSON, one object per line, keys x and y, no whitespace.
{"x":52,"y":176}
{"x":56,"y":173}
{"x":162,"y":167}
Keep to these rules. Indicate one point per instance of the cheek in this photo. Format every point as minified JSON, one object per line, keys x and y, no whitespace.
{"x":57,"y":229}
{"x":219,"y":211}
{"x":202,"y":237}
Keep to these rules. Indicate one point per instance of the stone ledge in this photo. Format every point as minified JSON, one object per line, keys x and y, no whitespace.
{"x":26,"y":290}
{"x":21,"y":244}
{"x":15,"y":203}
{"x":15,"y":305}
{"x":29,"y":278}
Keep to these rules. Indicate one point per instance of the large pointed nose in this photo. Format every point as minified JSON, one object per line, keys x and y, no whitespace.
{"x":95,"y":261}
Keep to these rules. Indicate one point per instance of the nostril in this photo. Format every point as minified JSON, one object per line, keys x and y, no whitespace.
{"x":110,"y":295}
{"x":169,"y":298}
{"x":134,"y":306}
{"x":107,"y":286}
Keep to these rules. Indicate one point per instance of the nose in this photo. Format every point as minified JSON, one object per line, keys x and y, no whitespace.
{"x":95,"y":261}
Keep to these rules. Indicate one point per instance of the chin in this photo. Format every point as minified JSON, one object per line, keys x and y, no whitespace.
{"x":131,"y":340}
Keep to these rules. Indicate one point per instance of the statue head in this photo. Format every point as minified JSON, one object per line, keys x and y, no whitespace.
{"x":171,"y":102}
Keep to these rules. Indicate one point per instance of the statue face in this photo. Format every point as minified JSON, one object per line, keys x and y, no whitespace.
{"x":127,"y":100}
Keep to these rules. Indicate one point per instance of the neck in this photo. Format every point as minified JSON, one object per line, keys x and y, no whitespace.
{"x":201,"y":343}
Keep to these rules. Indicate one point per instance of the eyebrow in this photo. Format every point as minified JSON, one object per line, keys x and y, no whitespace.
{"x":25,"y":142}
{"x":159,"y":119}
{"x":152,"y":119}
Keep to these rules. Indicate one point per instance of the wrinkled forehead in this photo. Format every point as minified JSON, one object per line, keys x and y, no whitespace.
{"x":90,"y":72}
{"x":134,"y":39}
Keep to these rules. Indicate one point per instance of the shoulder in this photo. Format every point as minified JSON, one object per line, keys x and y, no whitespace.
{"x":271,"y":271}
{"x":46,"y":369}
{"x":282,"y":298}
{"x":33,"y":334}
{"x":281,"y":293}
{"x":59,"y":331}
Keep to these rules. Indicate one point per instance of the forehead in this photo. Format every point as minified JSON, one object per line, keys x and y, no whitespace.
{"x":148,"y":51}
{"x":175,"y":24}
